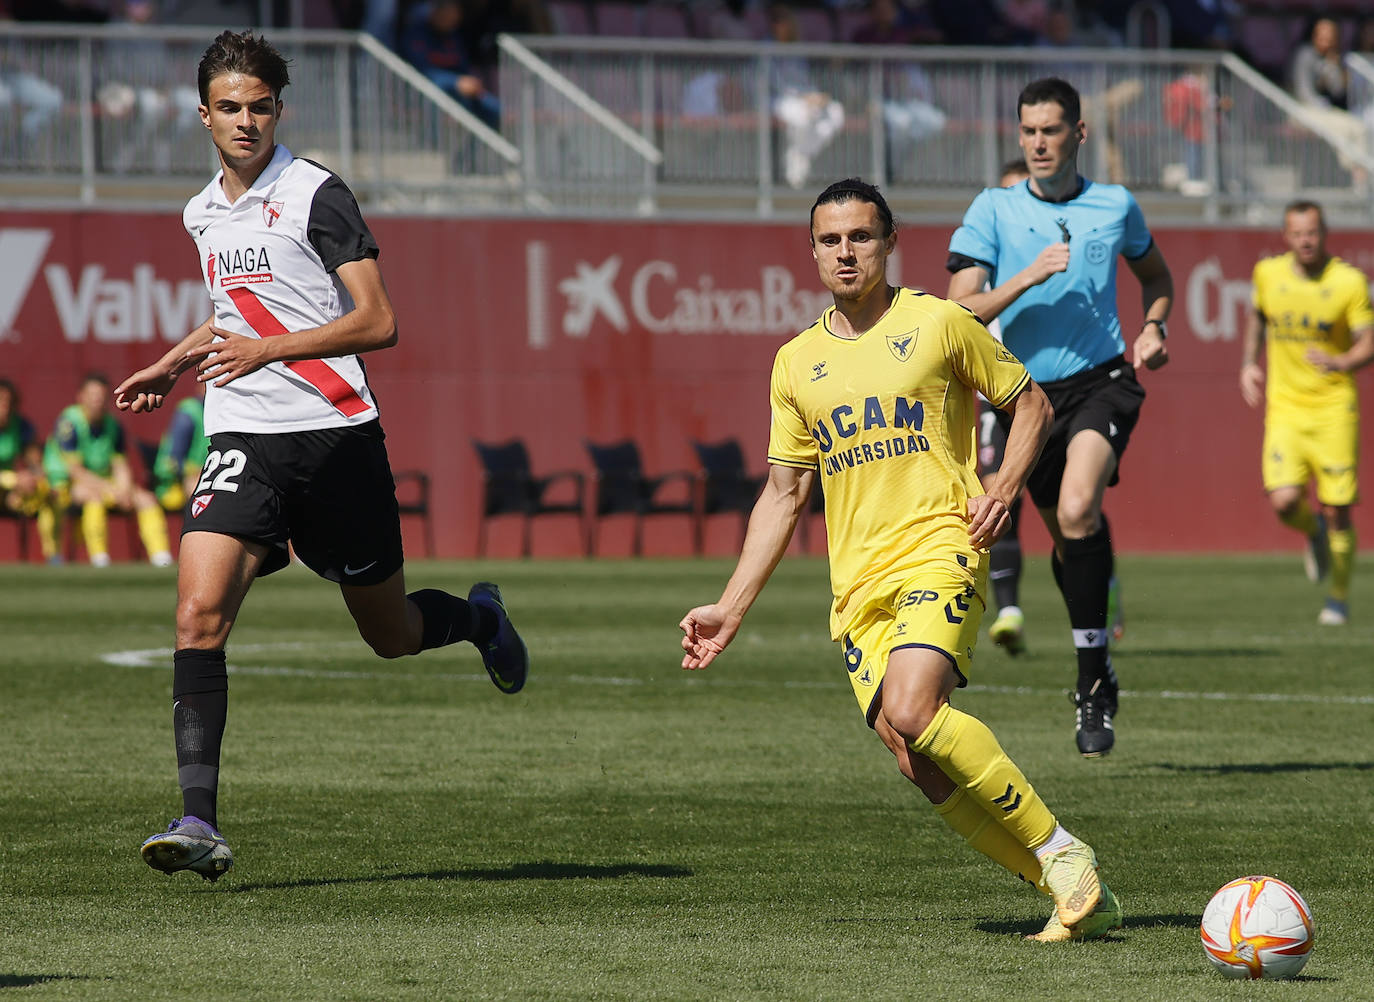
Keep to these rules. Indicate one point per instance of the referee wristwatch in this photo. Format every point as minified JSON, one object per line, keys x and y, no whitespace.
{"x":1163,"y":330}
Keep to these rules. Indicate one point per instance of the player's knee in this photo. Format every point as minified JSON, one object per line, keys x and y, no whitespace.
{"x":910,"y":717}
{"x":200,"y":624}
{"x":390,"y":644}
{"x":1077,"y":513}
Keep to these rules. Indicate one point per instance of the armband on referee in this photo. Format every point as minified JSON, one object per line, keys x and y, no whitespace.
{"x":1163,"y":330}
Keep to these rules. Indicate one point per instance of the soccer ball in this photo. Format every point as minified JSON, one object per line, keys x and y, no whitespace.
{"x":1257,"y":927}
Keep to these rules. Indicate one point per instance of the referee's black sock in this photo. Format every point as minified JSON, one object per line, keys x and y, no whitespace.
{"x":1087,"y":575}
{"x":448,"y":619}
{"x":200,"y":700}
{"x":1004,"y":564}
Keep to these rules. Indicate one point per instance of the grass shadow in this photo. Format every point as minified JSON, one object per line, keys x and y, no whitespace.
{"x":29,"y":980}
{"x":542,"y":870}
{"x":1006,"y":927}
{"x":1266,"y":768}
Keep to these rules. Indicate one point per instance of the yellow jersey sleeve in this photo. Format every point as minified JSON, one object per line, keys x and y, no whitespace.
{"x":789,"y":439}
{"x":1359,"y":314}
{"x":980,"y":360}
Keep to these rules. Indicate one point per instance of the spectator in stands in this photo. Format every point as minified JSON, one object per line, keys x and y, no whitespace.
{"x":85,"y":462}
{"x":1200,"y":24}
{"x":483,"y":20}
{"x":976,"y":22}
{"x":909,"y":110}
{"x":1189,"y":107}
{"x":433,"y":43}
{"x":891,"y":22}
{"x":146,"y":119}
{"x":1320,"y":82}
{"x":730,"y":22}
{"x":23,"y":488}
{"x":181,"y":454}
{"x":810,"y":117}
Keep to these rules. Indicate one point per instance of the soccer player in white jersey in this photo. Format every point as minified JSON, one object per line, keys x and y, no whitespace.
{"x":1059,"y":314}
{"x":297,"y":453}
{"x":875,"y":401}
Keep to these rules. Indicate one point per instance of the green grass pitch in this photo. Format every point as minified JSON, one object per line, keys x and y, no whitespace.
{"x":625,"y":830}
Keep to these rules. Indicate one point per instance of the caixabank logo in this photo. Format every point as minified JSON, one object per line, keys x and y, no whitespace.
{"x":581,"y":298}
{"x":89,"y":302}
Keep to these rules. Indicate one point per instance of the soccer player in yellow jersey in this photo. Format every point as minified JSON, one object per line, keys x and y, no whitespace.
{"x":1312,"y":312}
{"x":875,"y":401}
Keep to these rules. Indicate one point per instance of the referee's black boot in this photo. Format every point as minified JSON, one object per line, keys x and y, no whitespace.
{"x":1093,"y":722}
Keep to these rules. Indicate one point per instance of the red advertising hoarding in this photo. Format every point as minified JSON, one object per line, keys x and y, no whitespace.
{"x":559,"y":332}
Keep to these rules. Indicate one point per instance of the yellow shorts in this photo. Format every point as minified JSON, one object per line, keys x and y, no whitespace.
{"x":1296,"y":451}
{"x":937,"y":605}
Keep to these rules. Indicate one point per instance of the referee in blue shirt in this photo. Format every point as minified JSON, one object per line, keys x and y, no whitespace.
{"x":1045,"y":252}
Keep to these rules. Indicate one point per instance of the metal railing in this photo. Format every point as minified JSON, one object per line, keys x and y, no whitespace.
{"x":1197,"y":134}
{"x":670,"y":127}
{"x":97,"y":114}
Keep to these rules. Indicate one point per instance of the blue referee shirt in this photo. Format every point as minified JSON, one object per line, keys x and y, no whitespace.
{"x":1069,"y":322}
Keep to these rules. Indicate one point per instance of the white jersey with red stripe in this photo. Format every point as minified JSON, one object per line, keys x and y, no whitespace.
{"x":269,"y":261}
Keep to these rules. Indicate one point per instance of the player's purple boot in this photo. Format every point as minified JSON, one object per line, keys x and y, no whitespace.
{"x":188,"y":844}
{"x":505,"y":655}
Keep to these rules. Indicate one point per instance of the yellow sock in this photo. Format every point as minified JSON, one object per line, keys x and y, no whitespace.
{"x":95,"y":529}
{"x":1302,"y":518}
{"x":1342,"y":542}
{"x":969,"y":754}
{"x":47,"y":528}
{"x":981,"y":830}
{"x":152,"y":529}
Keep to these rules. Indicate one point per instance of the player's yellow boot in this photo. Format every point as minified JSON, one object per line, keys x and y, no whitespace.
{"x":1008,"y":630}
{"x":1070,"y":877}
{"x":1102,"y":920}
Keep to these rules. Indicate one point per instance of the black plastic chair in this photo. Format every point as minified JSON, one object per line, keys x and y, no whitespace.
{"x":509,"y":487}
{"x":724,"y":485}
{"x":412,"y":498}
{"x":622,"y":488}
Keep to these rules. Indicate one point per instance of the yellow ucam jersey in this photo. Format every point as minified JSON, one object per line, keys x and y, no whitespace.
{"x":888,"y":422}
{"x":1301,"y":313}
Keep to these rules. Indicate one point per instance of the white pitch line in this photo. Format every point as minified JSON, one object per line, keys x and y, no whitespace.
{"x":161,"y":658}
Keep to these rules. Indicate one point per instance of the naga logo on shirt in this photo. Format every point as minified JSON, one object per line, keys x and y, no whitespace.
{"x":271,"y":212}
{"x":241,"y":266}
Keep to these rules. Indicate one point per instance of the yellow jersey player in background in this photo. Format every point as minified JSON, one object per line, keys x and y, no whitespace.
{"x":1311,"y":310}
{"x":875,"y":401}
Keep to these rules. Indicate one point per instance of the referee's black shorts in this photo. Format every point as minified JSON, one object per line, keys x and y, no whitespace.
{"x":1105,"y":399}
{"x":329,"y":492}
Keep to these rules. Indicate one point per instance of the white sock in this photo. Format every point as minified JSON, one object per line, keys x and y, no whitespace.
{"x":1059,"y":839}
{"x":1009,"y":610}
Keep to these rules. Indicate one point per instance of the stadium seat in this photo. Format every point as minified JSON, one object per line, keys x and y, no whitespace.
{"x":615,"y":19}
{"x":665,"y":20}
{"x":622,"y":488}
{"x":412,"y":498}
{"x":509,"y":487}
{"x":571,"y":17}
{"x":814,"y":24}
{"x":723,"y":486}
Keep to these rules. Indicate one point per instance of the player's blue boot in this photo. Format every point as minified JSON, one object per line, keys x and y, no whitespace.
{"x":188,"y":844}
{"x":506,"y":658}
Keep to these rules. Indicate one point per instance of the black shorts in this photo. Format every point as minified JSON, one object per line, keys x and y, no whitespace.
{"x":1105,"y":399}
{"x":329,"y":492}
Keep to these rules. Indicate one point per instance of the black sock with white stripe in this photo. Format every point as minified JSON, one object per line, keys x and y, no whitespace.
{"x":1087,"y":575}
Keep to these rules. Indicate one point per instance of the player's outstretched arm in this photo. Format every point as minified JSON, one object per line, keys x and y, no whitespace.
{"x":989,"y":514}
{"x":146,"y":388}
{"x":1251,"y":375}
{"x":1156,"y":298}
{"x":708,"y":629}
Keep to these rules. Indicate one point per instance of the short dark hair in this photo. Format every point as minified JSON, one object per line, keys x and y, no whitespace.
{"x":1305,"y":205}
{"x":1017,"y":165}
{"x":1048,"y":89}
{"x":7,"y":385}
{"x":856,"y":189}
{"x":246,"y":53}
{"x":94,"y":377}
